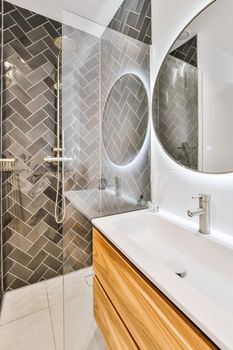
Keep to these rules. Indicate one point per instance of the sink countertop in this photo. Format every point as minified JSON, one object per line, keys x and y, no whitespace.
{"x":205,"y":307}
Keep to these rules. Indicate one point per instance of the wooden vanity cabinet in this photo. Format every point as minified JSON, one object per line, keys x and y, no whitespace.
{"x":115,"y":332}
{"x":130,"y":309}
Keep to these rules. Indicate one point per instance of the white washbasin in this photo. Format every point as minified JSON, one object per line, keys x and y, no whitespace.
{"x":154,"y":241}
{"x":209,"y":265}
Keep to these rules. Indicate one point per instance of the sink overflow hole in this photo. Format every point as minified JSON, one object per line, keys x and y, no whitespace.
{"x":181,"y":274}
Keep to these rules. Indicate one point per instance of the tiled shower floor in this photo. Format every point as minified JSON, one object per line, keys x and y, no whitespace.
{"x":34,"y":317}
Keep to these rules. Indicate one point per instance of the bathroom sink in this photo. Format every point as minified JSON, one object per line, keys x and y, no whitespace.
{"x":193,"y":270}
{"x":208,"y":265}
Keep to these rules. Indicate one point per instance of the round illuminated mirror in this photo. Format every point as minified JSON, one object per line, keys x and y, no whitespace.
{"x":193,"y":94}
{"x":125,"y":119}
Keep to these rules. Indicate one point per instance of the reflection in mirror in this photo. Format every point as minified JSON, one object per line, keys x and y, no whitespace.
{"x":176,"y":110}
{"x":125,"y":119}
{"x":192,"y":99}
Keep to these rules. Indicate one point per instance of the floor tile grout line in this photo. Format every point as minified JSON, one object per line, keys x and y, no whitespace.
{"x":24,"y":316}
{"x":48,"y":307}
{"x":51,"y":319}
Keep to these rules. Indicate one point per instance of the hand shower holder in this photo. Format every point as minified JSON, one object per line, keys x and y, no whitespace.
{"x":57,"y":159}
{"x":58,"y":149}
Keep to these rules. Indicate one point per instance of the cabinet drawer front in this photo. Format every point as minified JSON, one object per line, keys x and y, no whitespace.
{"x":115,"y":333}
{"x":153,"y":321}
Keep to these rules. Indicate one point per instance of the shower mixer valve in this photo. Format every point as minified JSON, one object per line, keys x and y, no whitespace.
{"x":57,"y":149}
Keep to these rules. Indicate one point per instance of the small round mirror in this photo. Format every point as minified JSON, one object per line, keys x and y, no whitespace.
{"x":125,"y":119}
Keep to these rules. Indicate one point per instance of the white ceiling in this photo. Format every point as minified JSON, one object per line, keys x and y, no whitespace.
{"x":99,"y":11}
{"x":215,"y":25}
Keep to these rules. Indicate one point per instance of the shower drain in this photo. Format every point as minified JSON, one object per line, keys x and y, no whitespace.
{"x":177,"y":267}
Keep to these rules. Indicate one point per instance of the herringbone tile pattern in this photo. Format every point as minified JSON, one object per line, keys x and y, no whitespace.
{"x":121,"y":55}
{"x":33,"y":241}
{"x":81,"y":115}
{"x":125,"y":119}
{"x":134,"y":19}
{"x":34,"y":246}
{"x":175,"y":110}
{"x":81,"y":122}
{"x":187,"y":52}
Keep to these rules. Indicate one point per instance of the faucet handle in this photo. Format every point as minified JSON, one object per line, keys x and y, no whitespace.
{"x":202,"y":196}
{"x":197,"y":196}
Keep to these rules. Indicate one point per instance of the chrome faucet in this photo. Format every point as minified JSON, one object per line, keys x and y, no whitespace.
{"x":203,"y":212}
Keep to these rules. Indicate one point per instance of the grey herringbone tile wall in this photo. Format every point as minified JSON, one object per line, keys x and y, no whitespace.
{"x":33,"y":241}
{"x":175,"y":109}
{"x":35,"y":247}
{"x":134,"y":19}
{"x":81,"y":117}
{"x":120,"y":55}
{"x":187,"y":52}
{"x":81,"y":123}
{"x":125,"y":119}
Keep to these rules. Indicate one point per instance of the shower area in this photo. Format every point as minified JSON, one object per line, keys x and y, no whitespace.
{"x":60,"y":82}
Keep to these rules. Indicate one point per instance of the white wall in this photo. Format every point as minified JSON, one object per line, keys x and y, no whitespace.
{"x":217,"y":90}
{"x":173,"y":185}
{"x":99,"y":11}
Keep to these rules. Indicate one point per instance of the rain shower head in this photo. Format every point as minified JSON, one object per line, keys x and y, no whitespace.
{"x":65,"y":43}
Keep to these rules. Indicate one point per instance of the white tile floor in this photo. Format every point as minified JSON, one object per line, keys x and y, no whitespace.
{"x":46,"y":315}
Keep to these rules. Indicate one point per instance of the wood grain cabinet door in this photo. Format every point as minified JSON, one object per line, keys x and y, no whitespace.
{"x":152,"y":320}
{"x":114,"y":332}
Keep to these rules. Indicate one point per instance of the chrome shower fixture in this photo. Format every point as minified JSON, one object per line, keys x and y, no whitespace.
{"x":50,"y":159}
{"x":66,"y":44}
{"x":7,"y":164}
{"x":56,"y":86}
